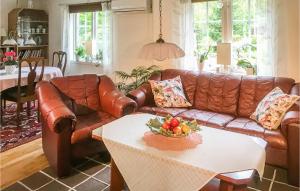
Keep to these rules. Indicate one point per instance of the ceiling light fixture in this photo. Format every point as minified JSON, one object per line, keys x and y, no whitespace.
{"x":161,"y":50}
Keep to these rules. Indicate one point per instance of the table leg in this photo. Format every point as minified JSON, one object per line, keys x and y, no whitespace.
{"x":116,"y":179}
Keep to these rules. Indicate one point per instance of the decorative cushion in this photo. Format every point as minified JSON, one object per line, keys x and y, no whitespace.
{"x":273,"y":107}
{"x":169,"y":93}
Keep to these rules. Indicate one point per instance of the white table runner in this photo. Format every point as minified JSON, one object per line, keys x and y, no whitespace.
{"x":146,"y":168}
{"x":11,"y":80}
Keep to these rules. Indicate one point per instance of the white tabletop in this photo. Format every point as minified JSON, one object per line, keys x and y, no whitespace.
{"x":141,"y":165}
{"x":10,"y":80}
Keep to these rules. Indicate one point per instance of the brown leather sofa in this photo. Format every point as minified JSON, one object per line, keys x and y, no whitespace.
{"x":71,"y":107}
{"x":226,"y":102}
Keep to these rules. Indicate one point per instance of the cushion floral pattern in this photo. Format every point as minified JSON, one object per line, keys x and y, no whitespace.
{"x":273,"y":107}
{"x":169,"y":93}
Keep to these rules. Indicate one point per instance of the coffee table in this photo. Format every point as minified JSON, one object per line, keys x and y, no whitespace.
{"x":233,"y":180}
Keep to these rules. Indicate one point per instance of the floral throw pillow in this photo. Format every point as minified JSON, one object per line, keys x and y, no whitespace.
{"x":169,"y":93}
{"x":273,"y":107}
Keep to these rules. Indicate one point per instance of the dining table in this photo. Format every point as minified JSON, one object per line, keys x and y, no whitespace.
{"x":11,"y":80}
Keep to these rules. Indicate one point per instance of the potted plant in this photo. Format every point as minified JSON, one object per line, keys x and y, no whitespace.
{"x":79,"y":52}
{"x":246,"y":64}
{"x":10,"y":62}
{"x":202,"y":57}
{"x":137,"y":77}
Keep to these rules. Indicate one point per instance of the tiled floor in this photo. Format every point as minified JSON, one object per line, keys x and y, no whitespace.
{"x":94,"y":174}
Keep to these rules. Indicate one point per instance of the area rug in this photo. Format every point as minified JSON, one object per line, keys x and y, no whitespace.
{"x":13,"y":136}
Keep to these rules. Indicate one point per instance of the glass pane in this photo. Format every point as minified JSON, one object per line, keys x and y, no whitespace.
{"x":246,"y":16}
{"x":207,"y":27}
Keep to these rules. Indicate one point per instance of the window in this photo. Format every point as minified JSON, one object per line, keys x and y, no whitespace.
{"x":207,"y":27}
{"x":86,"y":32}
{"x":245,"y":17}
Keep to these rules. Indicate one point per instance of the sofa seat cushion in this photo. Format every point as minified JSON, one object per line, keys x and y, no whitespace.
{"x":247,"y":126}
{"x":207,"y":118}
{"x":162,"y":111}
{"x":87,"y":123}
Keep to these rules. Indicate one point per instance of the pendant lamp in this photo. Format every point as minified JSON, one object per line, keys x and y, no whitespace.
{"x":161,"y":50}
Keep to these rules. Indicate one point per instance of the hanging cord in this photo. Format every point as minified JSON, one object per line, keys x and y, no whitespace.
{"x":160,"y":40}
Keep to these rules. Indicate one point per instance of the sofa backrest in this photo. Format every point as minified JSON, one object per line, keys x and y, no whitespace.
{"x":217,"y":92}
{"x":253,"y":89}
{"x":80,"y":92}
{"x":188,"y":79}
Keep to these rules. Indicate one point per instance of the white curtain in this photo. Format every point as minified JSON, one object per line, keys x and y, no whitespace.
{"x":266,"y":38}
{"x":65,"y":35}
{"x":107,"y":39}
{"x":188,"y":38}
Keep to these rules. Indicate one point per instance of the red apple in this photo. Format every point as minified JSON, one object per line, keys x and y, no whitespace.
{"x":166,"y":126}
{"x":174,"y":122}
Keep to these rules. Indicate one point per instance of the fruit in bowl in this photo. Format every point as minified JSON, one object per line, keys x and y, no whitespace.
{"x":172,"y":126}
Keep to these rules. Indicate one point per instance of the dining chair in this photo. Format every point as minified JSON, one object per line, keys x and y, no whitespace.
{"x":61,"y":60}
{"x":21,"y":94}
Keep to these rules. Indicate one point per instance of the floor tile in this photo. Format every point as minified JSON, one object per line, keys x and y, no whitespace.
{"x":281,"y":175}
{"x":16,"y":187}
{"x":107,"y":189}
{"x":260,"y":185}
{"x":104,"y":175}
{"x":54,"y":186}
{"x":50,"y":171}
{"x":283,"y":187}
{"x":103,"y":157}
{"x":36,"y":180}
{"x":269,"y":171}
{"x":79,"y":162}
{"x":91,"y":185}
{"x":91,"y":167}
{"x":74,"y":178}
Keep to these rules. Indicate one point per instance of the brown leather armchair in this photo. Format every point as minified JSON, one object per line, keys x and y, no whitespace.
{"x":71,"y":107}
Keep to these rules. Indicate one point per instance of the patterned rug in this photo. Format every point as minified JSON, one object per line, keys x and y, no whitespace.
{"x":10,"y":135}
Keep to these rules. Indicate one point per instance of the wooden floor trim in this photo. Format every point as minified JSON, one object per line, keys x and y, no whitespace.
{"x":20,"y":162}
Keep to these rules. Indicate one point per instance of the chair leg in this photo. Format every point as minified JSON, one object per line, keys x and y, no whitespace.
{"x":38,"y":111}
{"x":1,"y":111}
{"x":28,"y":108}
{"x":19,"y":105}
{"x":4,"y":103}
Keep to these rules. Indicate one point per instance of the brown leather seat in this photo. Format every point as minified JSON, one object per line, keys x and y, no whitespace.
{"x":208,"y":118}
{"x":162,"y":111}
{"x":87,"y":123}
{"x":71,"y":107}
{"x":227,"y":101}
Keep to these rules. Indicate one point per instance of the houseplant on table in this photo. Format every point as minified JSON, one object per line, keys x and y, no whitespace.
{"x":10,"y":62}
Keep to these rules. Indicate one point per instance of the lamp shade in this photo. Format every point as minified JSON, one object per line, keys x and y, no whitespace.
{"x":161,"y":51}
{"x":224,"y":53}
{"x":90,"y":47}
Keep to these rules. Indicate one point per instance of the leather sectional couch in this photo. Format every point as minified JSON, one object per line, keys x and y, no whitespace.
{"x":71,"y":107}
{"x":226,"y":102}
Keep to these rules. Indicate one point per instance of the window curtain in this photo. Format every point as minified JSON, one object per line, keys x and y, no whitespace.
{"x":266,"y":38}
{"x":188,"y":38}
{"x":65,"y":37}
{"x":107,"y":39}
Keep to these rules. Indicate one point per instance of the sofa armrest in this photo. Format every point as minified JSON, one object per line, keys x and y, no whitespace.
{"x":142,"y":95}
{"x":117,"y":104}
{"x":52,"y":108}
{"x":291,"y":117}
{"x":112,"y":100}
{"x":290,"y":127}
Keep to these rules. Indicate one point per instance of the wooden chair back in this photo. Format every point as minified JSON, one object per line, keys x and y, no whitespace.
{"x":32,"y":63}
{"x":60,"y":58}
